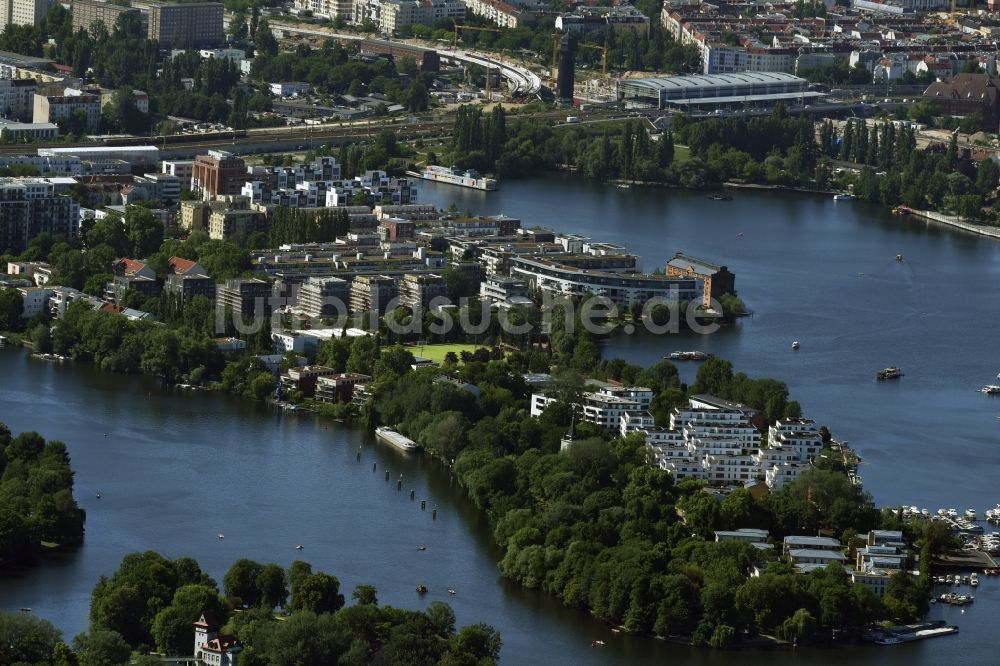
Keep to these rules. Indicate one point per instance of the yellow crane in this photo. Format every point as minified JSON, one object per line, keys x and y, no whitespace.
{"x":454,"y":43}
{"x":604,"y":56}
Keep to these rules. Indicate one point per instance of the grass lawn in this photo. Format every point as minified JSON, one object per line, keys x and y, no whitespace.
{"x":437,"y":353}
{"x":681,"y":153}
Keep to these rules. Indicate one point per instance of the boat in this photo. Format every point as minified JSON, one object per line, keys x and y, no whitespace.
{"x":843,"y":197}
{"x":393,"y":438}
{"x":455,"y":176}
{"x":421,"y":547}
{"x":221,"y":536}
{"x":899,"y":257}
{"x":98,"y":495}
{"x":3,"y":341}
{"x":24,"y":609}
{"x":421,"y":589}
{"x":597,"y":643}
{"x":719,"y":197}
{"x":451,"y":590}
{"x":892,"y":372}
{"x":970,"y":514}
{"x":795,"y":344}
{"x":974,"y":580}
{"x":623,"y":186}
{"x":990,"y":389}
{"x":688,"y":356}
{"x":299,"y":546}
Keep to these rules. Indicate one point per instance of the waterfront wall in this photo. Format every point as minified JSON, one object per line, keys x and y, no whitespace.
{"x":951,"y":220}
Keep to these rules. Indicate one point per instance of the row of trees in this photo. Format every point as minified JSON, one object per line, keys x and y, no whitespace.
{"x":152,"y":602}
{"x":36,"y":497}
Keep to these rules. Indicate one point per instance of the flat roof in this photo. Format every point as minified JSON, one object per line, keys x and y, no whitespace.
{"x":713,"y":80}
{"x":745,"y":98}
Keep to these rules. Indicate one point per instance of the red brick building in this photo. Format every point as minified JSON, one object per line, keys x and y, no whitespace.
{"x":217,"y":173}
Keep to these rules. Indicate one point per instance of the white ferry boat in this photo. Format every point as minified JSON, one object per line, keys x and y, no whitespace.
{"x":454,"y":176}
{"x":393,"y":438}
{"x":843,"y":197}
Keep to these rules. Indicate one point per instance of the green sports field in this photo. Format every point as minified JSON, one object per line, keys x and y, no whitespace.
{"x":437,"y":353}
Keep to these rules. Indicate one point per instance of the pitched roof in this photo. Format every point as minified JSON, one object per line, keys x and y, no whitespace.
{"x":131,"y":266}
{"x":180,"y":265}
{"x":973,"y":87}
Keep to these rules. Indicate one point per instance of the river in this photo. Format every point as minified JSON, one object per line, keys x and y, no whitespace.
{"x":176,"y":468}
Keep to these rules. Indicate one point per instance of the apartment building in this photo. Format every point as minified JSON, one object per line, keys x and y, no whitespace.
{"x":17,"y":98}
{"x":29,"y":207}
{"x":88,"y":12}
{"x":324,"y":297}
{"x":246,"y":297}
{"x":60,"y":108}
{"x":185,"y":25}
{"x":328,"y":9}
{"x":419,"y":290}
{"x":23,"y":12}
{"x":373,"y":293}
{"x":217,"y":173}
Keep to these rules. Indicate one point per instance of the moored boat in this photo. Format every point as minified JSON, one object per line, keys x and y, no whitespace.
{"x":844,"y":196}
{"x":688,"y":356}
{"x":454,"y":176}
{"x":892,"y":372}
{"x":393,"y":438}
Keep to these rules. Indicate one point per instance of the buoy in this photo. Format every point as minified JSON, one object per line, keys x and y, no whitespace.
{"x":387,"y":475}
{"x":399,"y":485}
{"x":412,"y":495}
{"x":98,"y":495}
{"x":423,"y":503}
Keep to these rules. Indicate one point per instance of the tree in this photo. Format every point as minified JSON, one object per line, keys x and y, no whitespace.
{"x":264,"y":40}
{"x":365,"y":595}
{"x":102,"y":648}
{"x":318,"y":593}
{"x":143,"y":231}
{"x":417,"y":96}
{"x":272,"y":586}
{"x":122,"y":114}
{"x":11,"y":308}
{"x":240,"y":583}
{"x":479,"y":642}
{"x":26,"y":639}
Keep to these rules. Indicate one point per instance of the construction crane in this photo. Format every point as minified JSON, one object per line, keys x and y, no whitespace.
{"x":604,"y":56}
{"x":454,"y":43}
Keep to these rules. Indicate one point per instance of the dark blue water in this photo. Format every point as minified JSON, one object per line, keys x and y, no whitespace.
{"x":177,"y":468}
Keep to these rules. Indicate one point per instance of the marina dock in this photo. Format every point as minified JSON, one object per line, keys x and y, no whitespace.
{"x":914,"y":632}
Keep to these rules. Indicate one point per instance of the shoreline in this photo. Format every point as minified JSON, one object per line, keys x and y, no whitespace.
{"x":955,"y":223}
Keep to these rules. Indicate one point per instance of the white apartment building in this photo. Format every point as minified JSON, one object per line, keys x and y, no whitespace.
{"x":56,"y":108}
{"x":605,"y":408}
{"x":799,"y":435}
{"x":392,"y":15}
{"x":328,"y":9}
{"x":501,"y":13}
